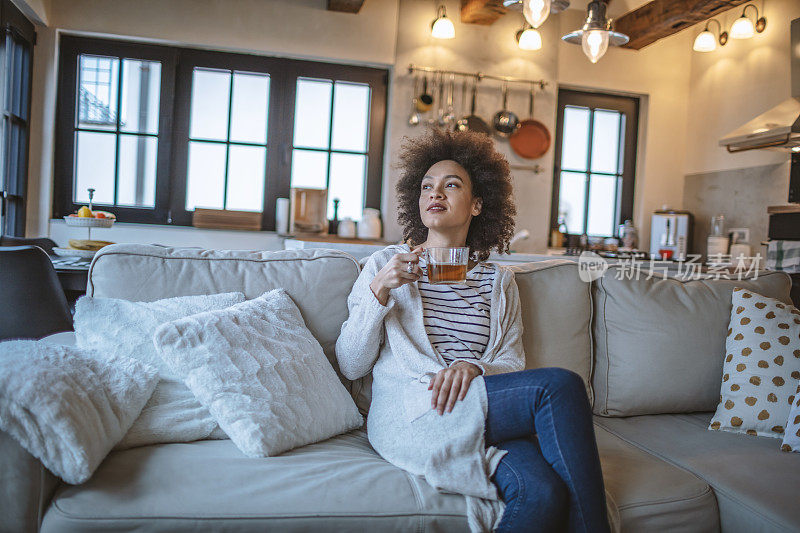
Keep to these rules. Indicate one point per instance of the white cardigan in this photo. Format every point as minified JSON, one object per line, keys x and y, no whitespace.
{"x":448,"y":450}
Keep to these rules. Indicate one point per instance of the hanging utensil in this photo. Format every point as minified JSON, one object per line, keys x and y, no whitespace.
{"x":474,"y":122}
{"x":440,"y":107}
{"x":531,"y":140}
{"x":461,"y":124}
{"x":505,"y":122}
{"x":424,"y":100}
{"x":413,"y":118}
{"x":450,"y":115}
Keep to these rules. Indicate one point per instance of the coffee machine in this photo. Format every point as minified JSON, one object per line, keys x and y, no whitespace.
{"x":670,"y":234}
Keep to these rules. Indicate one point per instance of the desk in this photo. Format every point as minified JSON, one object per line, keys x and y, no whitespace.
{"x":73,"y":273}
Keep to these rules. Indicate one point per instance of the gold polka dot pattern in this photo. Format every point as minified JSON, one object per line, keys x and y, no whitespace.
{"x":760,"y":369}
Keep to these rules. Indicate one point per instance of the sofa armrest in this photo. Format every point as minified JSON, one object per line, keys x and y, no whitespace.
{"x":26,"y":487}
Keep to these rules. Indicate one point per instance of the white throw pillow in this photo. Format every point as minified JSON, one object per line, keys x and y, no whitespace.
{"x":762,"y":366}
{"x":261,"y":374}
{"x":125,"y":328}
{"x":68,"y":406}
{"x":791,"y":439}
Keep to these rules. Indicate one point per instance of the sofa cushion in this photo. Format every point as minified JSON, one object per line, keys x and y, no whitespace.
{"x":660,"y":343}
{"x":318,"y":280}
{"x":645,"y":493}
{"x":755,"y":484}
{"x":556,"y":316}
{"x":336,"y":485}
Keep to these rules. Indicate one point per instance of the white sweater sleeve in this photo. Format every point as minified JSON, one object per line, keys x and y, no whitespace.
{"x":510,"y":356}
{"x":362,"y":334}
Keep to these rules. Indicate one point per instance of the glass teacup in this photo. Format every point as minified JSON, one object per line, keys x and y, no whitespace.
{"x":447,"y":265}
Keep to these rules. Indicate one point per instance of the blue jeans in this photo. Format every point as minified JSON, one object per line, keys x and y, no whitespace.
{"x":550,"y":479}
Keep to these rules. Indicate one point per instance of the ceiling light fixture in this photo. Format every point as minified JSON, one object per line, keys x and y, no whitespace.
{"x":743,"y":27}
{"x":596,"y":34}
{"x":442,"y":27}
{"x":536,"y":11}
{"x":529,"y":38}
{"x":707,"y":41}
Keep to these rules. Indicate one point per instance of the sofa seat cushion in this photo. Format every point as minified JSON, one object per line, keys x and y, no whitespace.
{"x":338,"y":484}
{"x":645,"y":493}
{"x":754,"y":482}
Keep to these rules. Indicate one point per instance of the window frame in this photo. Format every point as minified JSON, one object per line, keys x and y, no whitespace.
{"x":177,"y":68}
{"x":14,"y":189}
{"x":627,"y":106}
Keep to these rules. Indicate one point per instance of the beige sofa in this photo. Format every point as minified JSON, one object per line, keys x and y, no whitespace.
{"x":649,"y":351}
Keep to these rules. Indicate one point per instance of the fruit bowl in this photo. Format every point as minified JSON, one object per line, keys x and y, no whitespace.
{"x":89,"y":222}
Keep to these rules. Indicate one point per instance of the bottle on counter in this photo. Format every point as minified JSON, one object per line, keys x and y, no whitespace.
{"x":333,"y":224}
{"x":628,"y":235}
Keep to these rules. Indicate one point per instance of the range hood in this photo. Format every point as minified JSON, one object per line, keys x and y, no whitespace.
{"x":778,"y":128}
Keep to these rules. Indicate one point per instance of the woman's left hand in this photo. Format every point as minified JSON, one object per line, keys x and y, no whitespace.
{"x":451,"y":384}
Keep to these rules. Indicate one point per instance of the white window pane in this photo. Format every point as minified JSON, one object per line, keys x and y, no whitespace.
{"x":137,"y":170}
{"x":605,"y":142}
{"x":312,"y":113}
{"x":350,"y":117}
{"x":206,"y":175}
{"x":348,"y":176}
{"x":575,"y":144}
{"x":571,"y":200}
{"x":141,"y":92}
{"x":250,"y":107}
{"x":309,"y":169}
{"x":94,"y":166}
{"x":602,"y":201}
{"x":97,"y":92}
{"x":210,"y":95}
{"x":246,"y":167}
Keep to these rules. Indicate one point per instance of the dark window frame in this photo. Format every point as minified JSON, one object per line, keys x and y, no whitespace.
{"x":16,"y":29}
{"x":629,"y":107}
{"x":171,"y":180}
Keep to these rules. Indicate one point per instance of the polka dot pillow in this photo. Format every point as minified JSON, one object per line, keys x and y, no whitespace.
{"x":762,"y":366}
{"x":791,"y":440}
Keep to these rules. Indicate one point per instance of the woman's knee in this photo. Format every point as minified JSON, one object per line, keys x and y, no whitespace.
{"x":561,"y":379}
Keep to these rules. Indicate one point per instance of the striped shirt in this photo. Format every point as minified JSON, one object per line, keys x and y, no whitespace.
{"x":456,"y":316}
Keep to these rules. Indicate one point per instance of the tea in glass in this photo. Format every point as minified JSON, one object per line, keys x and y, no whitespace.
{"x":447,"y":265}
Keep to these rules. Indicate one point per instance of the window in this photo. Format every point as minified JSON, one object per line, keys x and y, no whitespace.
{"x":16,"y":49}
{"x":159,"y":131}
{"x":595,"y":161}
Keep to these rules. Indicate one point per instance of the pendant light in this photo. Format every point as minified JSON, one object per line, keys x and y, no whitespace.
{"x":529,"y":38}
{"x":743,"y":27}
{"x":707,"y":41}
{"x":442,"y":27}
{"x":596,"y":34}
{"x":536,"y":11}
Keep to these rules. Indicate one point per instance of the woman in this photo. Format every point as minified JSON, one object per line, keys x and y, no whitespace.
{"x":450,"y":398}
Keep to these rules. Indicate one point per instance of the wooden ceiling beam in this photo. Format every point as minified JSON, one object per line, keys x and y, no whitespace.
{"x":483,"y":12}
{"x":662,"y":18}
{"x":345,"y":6}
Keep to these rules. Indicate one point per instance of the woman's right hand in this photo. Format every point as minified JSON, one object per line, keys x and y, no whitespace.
{"x":395,"y":274}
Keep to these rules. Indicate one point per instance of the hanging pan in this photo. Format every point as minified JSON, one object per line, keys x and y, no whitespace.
{"x":505,"y":122}
{"x":474,"y":122}
{"x":531,"y":140}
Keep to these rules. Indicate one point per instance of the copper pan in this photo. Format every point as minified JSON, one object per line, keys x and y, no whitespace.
{"x":531,"y":139}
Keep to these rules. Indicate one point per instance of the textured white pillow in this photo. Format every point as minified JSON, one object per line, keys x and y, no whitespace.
{"x":126,"y":328}
{"x":261,"y":374}
{"x":791,"y":439}
{"x":68,"y":406}
{"x":762,"y":366}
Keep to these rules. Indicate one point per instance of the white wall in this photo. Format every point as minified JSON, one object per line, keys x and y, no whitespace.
{"x":736,"y":83}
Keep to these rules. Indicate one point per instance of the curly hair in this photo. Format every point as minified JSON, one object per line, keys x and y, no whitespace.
{"x":489,"y":174}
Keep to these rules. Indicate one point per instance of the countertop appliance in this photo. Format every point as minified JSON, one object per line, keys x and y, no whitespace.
{"x":670,"y":231}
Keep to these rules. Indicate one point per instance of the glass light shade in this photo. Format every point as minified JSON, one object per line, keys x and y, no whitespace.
{"x":594,"y":44}
{"x":742,"y":28}
{"x":442,"y":28}
{"x":529,"y":39}
{"x":536,"y":11}
{"x":705,"y":42}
